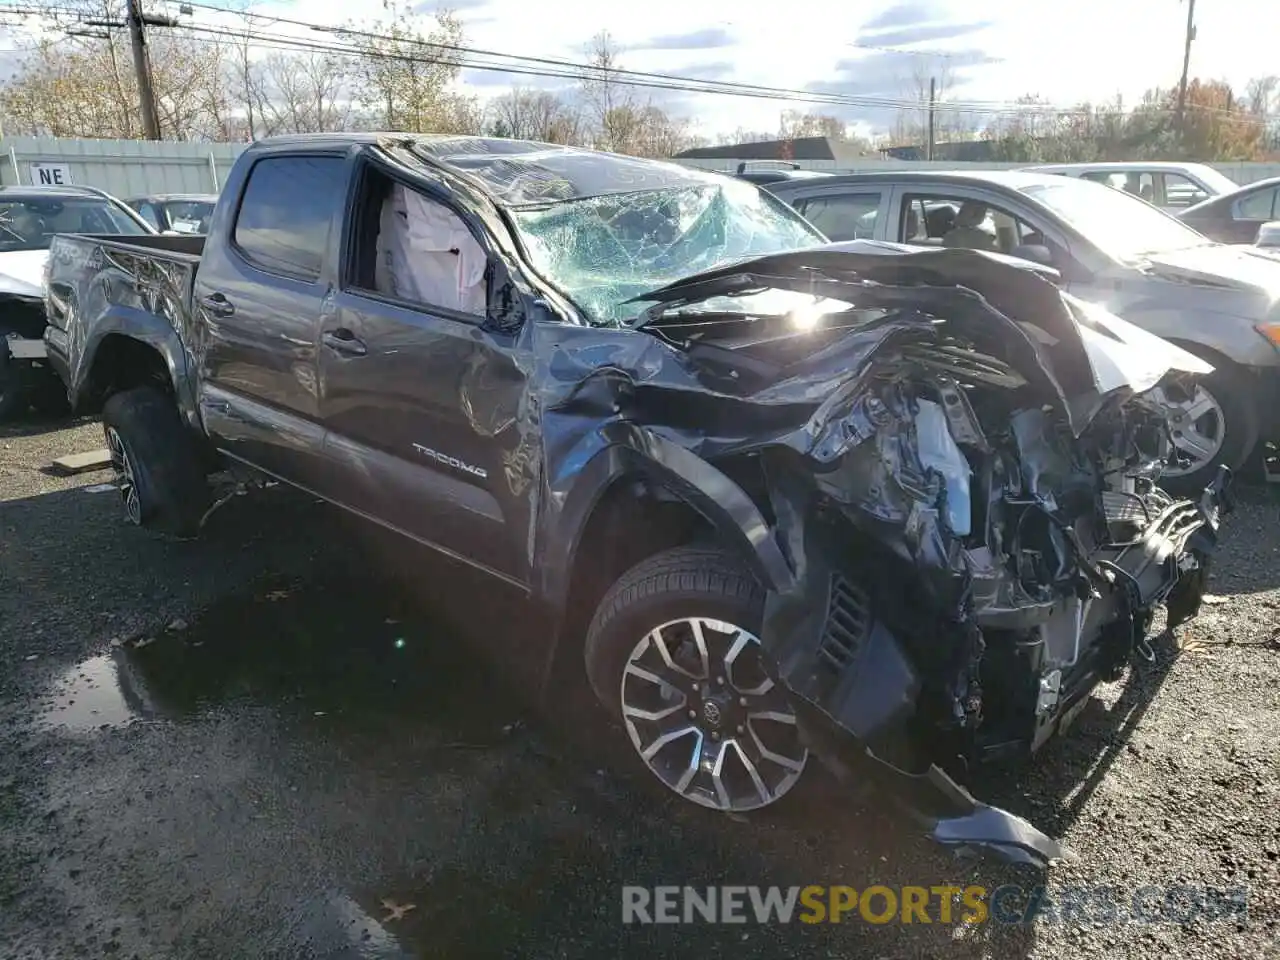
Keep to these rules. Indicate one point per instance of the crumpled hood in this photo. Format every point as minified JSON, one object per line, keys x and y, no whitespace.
{"x":1221,"y":265}
{"x":1093,"y":352}
{"x":22,"y":273}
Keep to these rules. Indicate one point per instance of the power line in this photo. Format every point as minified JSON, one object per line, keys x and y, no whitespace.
{"x":660,"y":81}
{"x":579,"y":71}
{"x":465,"y":56}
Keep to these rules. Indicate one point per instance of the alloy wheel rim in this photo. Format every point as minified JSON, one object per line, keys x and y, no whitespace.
{"x":123,"y":468}
{"x":708,"y":719}
{"x":1197,"y":427}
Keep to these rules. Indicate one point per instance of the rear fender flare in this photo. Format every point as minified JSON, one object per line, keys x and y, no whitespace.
{"x":636,"y":451}
{"x":148,"y":329}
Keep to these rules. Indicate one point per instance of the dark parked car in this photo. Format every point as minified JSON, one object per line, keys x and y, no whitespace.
{"x":1236,"y":217}
{"x":764,"y":172}
{"x":1110,"y":248}
{"x":902,"y":509}
{"x":177,"y":213}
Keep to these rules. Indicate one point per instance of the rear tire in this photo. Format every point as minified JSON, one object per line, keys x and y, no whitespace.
{"x":673,"y":653}
{"x":48,"y":395}
{"x":157,"y":462}
{"x":13,"y":401}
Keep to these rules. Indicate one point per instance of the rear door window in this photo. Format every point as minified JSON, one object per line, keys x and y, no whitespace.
{"x":1256,"y":206}
{"x":283,"y":223}
{"x":1179,"y":191}
{"x":845,"y":216}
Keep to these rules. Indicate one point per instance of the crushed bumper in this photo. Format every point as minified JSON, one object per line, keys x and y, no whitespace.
{"x":855,"y":686}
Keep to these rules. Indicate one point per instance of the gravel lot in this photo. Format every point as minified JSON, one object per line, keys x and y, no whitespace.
{"x":279,"y":742}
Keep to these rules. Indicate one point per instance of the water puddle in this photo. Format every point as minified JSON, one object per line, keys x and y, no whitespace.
{"x":361,"y":658}
{"x":92,"y":695}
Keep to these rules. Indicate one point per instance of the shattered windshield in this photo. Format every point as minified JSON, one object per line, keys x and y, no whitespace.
{"x":602,"y":251}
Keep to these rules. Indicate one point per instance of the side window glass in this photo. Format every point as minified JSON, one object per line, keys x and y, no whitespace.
{"x":283,"y":222}
{"x":1257,"y":206}
{"x":419,"y":251}
{"x":148,"y":213}
{"x":1181,"y":192}
{"x":845,"y":217}
{"x":970,"y":224}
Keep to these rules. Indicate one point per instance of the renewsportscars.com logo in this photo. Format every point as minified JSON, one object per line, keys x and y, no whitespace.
{"x":942,"y":903}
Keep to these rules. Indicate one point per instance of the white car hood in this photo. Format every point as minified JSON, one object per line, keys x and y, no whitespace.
{"x":1220,"y":264}
{"x":1120,"y":354}
{"x":1123,"y":355}
{"x":22,"y":272}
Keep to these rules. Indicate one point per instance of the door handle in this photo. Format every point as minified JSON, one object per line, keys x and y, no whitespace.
{"x":345,"y":342}
{"x":218,"y":305}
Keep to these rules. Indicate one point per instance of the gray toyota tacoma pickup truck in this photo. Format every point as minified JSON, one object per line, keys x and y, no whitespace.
{"x":774,"y":495}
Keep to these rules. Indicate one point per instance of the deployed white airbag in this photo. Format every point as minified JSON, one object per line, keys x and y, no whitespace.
{"x":427,"y":255}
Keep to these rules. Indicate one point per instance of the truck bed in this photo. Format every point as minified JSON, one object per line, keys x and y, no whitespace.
{"x":100,"y":285}
{"x":170,"y":246}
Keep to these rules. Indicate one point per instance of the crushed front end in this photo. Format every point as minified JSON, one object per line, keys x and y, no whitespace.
{"x":972,"y":512}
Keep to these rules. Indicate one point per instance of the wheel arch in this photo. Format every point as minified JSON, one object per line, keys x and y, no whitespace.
{"x":679,"y":496}
{"x":129,"y":348}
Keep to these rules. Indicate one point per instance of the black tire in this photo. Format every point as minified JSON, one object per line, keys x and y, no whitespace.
{"x":168,"y":475}
{"x":13,"y":400}
{"x":48,"y":395}
{"x":703,"y":583}
{"x":685,"y":581}
{"x":1230,"y":388}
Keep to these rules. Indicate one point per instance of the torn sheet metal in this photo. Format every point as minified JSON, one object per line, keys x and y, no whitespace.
{"x":935,"y":431}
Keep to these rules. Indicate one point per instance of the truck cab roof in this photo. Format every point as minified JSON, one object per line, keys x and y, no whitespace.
{"x":517,"y":173}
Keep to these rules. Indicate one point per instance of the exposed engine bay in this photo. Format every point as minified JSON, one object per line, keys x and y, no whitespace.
{"x":972,"y":510}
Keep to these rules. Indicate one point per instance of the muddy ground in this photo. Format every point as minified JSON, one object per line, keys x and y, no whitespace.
{"x":281,"y":742}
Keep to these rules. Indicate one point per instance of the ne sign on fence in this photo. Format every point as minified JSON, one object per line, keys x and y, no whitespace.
{"x":44,"y":174}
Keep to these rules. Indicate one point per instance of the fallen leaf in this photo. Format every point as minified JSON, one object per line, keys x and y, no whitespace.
{"x":1213,"y":600}
{"x":177,"y":624}
{"x":396,"y":911}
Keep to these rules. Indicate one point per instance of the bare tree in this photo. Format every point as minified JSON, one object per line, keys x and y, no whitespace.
{"x":911,"y":125}
{"x":305,"y":93}
{"x":528,"y":114}
{"x":85,"y":86}
{"x":796,"y":124}
{"x":405,"y":76}
{"x":619,"y":120}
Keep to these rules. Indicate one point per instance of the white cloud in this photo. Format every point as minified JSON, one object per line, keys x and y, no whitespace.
{"x":1066,"y":53}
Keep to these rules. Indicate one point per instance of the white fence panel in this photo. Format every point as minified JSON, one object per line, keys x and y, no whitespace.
{"x":129,"y":168}
{"x":125,"y":168}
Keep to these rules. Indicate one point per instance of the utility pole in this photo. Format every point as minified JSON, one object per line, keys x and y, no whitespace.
{"x":142,"y":69}
{"x":933,"y":100}
{"x":1186,"y":63}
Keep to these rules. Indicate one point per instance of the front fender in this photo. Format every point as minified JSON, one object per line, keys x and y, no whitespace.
{"x":630,"y":450}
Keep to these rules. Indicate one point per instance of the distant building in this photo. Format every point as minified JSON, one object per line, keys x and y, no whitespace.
{"x":798,"y":150}
{"x":959,"y":151}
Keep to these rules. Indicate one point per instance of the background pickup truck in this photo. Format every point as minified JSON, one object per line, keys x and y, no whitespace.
{"x":723,"y":500}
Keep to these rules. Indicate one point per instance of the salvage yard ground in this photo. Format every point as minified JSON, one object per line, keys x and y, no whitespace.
{"x":253,"y":747}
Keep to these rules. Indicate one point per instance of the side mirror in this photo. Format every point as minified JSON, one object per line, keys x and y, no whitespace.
{"x":1269,"y":235}
{"x":504,"y":309}
{"x":1033,"y":252}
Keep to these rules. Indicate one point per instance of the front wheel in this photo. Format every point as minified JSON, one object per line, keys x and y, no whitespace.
{"x":674,"y":653}
{"x":1213,"y":423}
